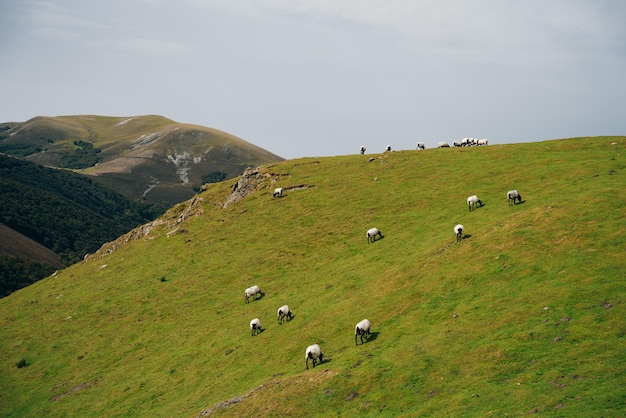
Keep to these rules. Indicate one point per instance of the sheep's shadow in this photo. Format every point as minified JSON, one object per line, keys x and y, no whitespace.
{"x":371,"y":337}
{"x":287,"y":319}
{"x":466,"y":236}
{"x":376,"y":240}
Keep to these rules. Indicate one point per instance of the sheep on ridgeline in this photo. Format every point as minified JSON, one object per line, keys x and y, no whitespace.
{"x":388,"y":149}
{"x":473,"y":202}
{"x":363,"y":149}
{"x":420,"y":145}
{"x":442,"y":144}
{"x":457,"y":143}
{"x":465,"y":142}
{"x":458,"y":230}
{"x":278,"y":192}
{"x":313,"y":352}
{"x":511,"y":195}
{"x":253,"y":291}
{"x":255,"y":327}
{"x":361,"y":329}
{"x":372,"y":233}
{"x":284,"y":313}
{"x":482,"y":142}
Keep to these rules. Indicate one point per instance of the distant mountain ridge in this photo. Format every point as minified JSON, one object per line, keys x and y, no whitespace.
{"x":151,"y":158}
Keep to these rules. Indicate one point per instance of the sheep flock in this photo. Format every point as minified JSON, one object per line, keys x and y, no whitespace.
{"x":362,"y":330}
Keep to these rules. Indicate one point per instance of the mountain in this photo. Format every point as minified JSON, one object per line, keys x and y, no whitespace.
{"x":143,"y":157}
{"x":525,"y":315}
{"x":51,"y":218}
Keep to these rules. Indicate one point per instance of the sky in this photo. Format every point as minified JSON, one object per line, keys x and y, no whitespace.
{"x":305,"y":78}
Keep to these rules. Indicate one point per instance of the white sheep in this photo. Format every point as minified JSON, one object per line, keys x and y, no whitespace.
{"x":442,"y":144}
{"x":457,"y":143}
{"x":253,"y":291}
{"x":465,"y":142}
{"x":255,"y":327}
{"x":473,"y":201}
{"x":313,"y":352}
{"x":278,"y":192}
{"x":482,"y":142}
{"x":372,"y":233}
{"x":363,"y":149}
{"x":420,"y":145}
{"x":458,"y":230}
{"x":361,"y":329}
{"x":388,"y":149}
{"x":511,"y":195}
{"x":284,"y":313}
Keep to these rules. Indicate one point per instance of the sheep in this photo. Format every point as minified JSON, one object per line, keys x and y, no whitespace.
{"x":278,"y":192}
{"x":473,"y":201}
{"x":457,"y":143}
{"x":442,"y":144}
{"x":363,"y":149}
{"x":253,"y":291}
{"x":420,"y":145}
{"x":361,"y":329}
{"x":313,"y":352}
{"x":388,"y":149}
{"x":458,"y":230}
{"x":482,"y":142}
{"x":511,"y":195}
{"x":284,"y":313}
{"x":371,"y":234}
{"x":255,"y":327}
{"x":465,"y":142}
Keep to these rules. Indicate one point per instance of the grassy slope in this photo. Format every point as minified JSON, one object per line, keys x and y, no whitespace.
{"x":160,"y":327}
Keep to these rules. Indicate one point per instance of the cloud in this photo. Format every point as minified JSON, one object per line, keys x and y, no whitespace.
{"x":149,"y":46}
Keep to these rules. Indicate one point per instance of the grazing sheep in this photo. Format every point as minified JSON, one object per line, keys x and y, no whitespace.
{"x":511,"y":195}
{"x":278,"y":192}
{"x":458,"y":230}
{"x":473,"y":201}
{"x":420,"y":145}
{"x":482,"y":142}
{"x":284,"y":313}
{"x":457,"y":143}
{"x":253,"y":291}
{"x":363,"y":149}
{"x":371,"y":234}
{"x":313,"y":352}
{"x":388,"y":149}
{"x":362,"y":328}
{"x":255,"y":326}
{"x":442,"y":144}
{"x":465,"y":142}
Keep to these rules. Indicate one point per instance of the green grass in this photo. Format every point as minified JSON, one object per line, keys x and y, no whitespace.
{"x":525,"y":315}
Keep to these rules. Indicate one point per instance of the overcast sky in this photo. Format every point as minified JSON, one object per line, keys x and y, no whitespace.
{"x":323,"y":77}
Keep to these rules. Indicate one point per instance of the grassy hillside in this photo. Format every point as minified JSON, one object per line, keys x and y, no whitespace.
{"x":524,"y":315}
{"x":143,"y":157}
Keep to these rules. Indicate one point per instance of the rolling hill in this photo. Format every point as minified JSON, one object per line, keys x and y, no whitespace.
{"x":51,"y":218}
{"x":525,"y":315}
{"x":143,"y":157}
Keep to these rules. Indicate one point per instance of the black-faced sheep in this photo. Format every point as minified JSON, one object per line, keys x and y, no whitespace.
{"x":511,"y":195}
{"x":284,"y":313}
{"x":363,"y":149}
{"x":278,"y":192}
{"x":372,"y":233}
{"x":388,"y":149}
{"x":361,"y":329}
{"x":473,"y":201}
{"x":253,"y":291}
{"x":482,"y":142}
{"x":442,"y":144}
{"x":420,"y":145}
{"x":313,"y":352}
{"x":458,"y":230}
{"x":255,"y":326}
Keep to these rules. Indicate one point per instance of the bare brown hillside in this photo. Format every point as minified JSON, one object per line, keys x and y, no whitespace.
{"x":15,"y":244}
